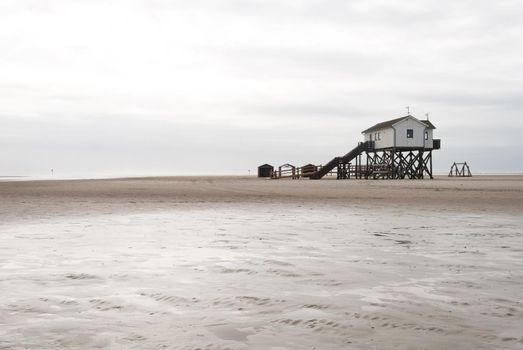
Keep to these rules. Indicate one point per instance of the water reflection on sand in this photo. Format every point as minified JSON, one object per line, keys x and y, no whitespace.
{"x":241,"y":276}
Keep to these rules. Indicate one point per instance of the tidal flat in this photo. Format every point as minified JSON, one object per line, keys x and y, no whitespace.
{"x":244,"y":263}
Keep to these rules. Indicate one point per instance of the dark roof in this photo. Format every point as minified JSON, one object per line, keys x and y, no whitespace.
{"x":428,"y":124}
{"x":390,"y":123}
{"x":266,"y":166}
{"x":384,"y":125}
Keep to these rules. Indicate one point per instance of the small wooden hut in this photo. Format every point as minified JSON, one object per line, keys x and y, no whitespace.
{"x":265,"y":170}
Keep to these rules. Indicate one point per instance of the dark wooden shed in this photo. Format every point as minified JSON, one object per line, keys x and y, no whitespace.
{"x":308,"y":169}
{"x":265,"y":170}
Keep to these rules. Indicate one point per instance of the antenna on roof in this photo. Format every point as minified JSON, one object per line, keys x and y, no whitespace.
{"x":427,"y":115}
{"x":408,"y":110}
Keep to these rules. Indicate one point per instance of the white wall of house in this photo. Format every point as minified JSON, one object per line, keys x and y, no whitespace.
{"x":429,"y":141}
{"x":418,"y":129}
{"x":383,"y":138}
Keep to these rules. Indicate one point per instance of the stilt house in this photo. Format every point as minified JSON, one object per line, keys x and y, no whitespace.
{"x":402,"y":133}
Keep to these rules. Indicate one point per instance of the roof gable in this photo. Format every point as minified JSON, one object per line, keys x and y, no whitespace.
{"x":428,"y":124}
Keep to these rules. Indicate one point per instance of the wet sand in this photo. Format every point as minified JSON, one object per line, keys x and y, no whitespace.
{"x":244,"y":263}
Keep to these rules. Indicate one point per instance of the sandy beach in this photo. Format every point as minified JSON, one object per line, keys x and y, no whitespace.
{"x":247,"y":263}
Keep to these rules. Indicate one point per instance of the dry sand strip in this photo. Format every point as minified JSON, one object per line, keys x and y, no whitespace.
{"x":40,"y":199}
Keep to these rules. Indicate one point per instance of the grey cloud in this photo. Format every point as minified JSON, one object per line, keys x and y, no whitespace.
{"x":502,"y":100}
{"x":300,"y":63}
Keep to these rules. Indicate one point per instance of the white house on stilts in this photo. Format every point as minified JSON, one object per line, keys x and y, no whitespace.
{"x":401,"y":133}
{"x":394,"y":149}
{"x":399,"y":148}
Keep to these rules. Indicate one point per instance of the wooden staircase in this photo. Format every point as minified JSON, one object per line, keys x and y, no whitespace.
{"x":356,"y":151}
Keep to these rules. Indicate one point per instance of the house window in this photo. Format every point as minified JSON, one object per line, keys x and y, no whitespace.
{"x":370,"y":137}
{"x":379,"y":136}
{"x":410,"y":133}
{"x":426,"y":135}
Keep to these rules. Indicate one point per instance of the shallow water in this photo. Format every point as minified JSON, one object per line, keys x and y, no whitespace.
{"x":271,"y":277}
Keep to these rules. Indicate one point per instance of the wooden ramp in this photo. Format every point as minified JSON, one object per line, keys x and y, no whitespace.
{"x":356,"y":151}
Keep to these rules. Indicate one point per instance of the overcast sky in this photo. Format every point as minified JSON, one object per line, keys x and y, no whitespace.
{"x":221,"y":86}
